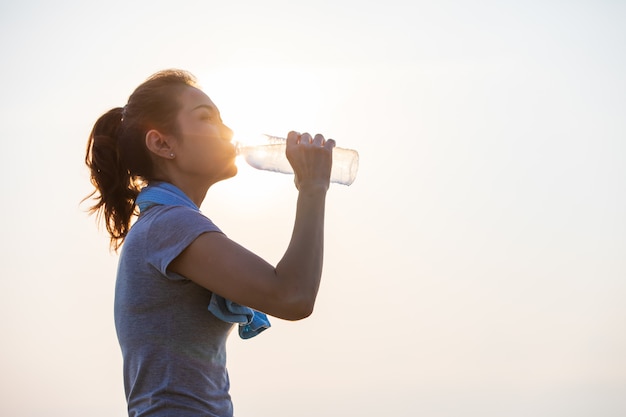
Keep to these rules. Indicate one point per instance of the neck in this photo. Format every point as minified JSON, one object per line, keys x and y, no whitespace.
{"x":194,"y":186}
{"x":196,"y":192}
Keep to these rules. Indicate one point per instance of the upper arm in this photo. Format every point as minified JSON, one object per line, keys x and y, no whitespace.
{"x":224,"y":267}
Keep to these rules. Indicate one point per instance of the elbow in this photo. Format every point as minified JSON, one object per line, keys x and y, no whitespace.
{"x":294,"y":297}
{"x":297,"y":308}
{"x":301,"y":313}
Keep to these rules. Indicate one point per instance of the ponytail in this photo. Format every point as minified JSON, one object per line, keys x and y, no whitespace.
{"x":117,"y":156}
{"x":115,"y":188}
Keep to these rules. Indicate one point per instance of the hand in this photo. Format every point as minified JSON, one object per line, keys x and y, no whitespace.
{"x":310,"y":158}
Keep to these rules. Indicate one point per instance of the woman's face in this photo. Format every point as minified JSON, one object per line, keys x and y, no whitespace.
{"x":203,"y":147}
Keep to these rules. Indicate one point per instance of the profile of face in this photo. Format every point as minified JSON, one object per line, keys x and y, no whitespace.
{"x":203,"y":148}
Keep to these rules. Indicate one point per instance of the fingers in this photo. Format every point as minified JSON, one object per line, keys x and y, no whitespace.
{"x":305,"y":139}
{"x":310,"y":157}
{"x":295,"y":138}
{"x":318,"y":140}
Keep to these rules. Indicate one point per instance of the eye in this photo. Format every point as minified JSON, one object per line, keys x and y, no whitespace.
{"x":206,"y":116}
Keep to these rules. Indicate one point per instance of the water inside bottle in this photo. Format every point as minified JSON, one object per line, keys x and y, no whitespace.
{"x":269,"y":155}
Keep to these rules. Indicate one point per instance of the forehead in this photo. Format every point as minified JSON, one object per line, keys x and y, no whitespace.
{"x":192,"y":97}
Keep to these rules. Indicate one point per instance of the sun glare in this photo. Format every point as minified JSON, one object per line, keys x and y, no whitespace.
{"x":254,"y":101}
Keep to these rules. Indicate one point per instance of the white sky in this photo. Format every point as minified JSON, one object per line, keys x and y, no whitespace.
{"x":475,"y":267}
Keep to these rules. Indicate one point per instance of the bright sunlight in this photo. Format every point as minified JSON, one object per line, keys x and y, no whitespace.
{"x":239,"y":98}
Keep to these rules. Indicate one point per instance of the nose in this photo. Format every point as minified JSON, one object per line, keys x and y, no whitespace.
{"x":226,"y":133}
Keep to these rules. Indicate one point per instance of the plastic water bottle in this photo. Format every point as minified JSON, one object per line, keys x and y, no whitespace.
{"x":271,"y":156}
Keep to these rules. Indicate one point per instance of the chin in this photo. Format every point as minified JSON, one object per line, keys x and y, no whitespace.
{"x":227,"y":171}
{"x":230,"y":172}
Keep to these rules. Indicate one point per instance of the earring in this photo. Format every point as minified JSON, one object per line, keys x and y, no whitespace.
{"x":171,"y":155}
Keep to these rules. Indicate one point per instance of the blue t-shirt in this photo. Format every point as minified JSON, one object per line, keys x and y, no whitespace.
{"x":173,"y":347}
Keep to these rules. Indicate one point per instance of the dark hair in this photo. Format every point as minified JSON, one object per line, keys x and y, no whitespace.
{"x":119,"y":162}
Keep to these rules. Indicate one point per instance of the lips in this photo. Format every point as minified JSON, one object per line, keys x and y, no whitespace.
{"x":234,"y":150}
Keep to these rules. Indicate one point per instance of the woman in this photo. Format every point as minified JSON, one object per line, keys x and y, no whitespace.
{"x":181,"y":282}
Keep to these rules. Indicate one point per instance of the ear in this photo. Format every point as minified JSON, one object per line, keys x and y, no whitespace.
{"x":160,"y":144}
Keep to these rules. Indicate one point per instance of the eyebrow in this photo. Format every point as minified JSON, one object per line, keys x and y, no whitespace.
{"x":205,"y":106}
{"x":211,"y":108}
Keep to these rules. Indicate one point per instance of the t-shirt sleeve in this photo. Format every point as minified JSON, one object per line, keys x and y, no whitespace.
{"x":171,"y":231}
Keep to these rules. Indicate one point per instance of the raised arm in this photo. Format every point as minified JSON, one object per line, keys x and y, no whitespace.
{"x":288,"y":290}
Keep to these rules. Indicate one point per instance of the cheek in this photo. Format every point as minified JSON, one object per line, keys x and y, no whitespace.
{"x":197,"y":144}
{"x":204,"y":149}
{"x":206,"y":153}
{"x":212,"y":151}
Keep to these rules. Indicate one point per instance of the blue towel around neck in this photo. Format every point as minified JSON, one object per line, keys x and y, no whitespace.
{"x":251,"y":322}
